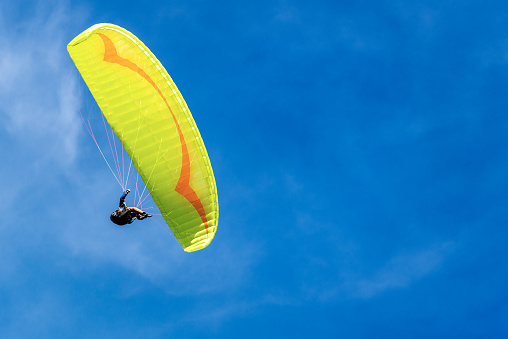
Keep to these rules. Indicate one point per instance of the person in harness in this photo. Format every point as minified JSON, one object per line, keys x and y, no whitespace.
{"x":126,"y":215}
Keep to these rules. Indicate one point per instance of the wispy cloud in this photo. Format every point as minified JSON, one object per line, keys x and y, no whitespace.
{"x":38,"y":134}
{"x":35,"y":88}
{"x":400,"y":271}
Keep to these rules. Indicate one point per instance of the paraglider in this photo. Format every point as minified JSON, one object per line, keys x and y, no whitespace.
{"x":126,"y":215}
{"x":149,"y":116}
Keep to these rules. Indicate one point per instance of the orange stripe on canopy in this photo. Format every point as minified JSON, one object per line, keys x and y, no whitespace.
{"x":183,"y":185}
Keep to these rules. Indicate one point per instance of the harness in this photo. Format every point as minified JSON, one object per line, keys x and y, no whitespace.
{"x":122,"y":217}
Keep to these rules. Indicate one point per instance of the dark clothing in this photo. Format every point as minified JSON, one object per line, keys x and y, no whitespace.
{"x":126,"y":215}
{"x":123,"y":217}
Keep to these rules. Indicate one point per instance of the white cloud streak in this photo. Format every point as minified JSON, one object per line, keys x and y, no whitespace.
{"x":401,"y":271}
{"x":35,"y":88}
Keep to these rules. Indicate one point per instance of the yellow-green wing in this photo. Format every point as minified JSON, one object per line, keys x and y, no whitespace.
{"x":148,"y":114}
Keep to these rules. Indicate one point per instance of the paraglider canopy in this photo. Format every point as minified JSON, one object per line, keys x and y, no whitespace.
{"x":148,"y":114}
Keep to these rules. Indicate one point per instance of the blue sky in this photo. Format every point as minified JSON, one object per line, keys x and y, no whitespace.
{"x":360,"y":155}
